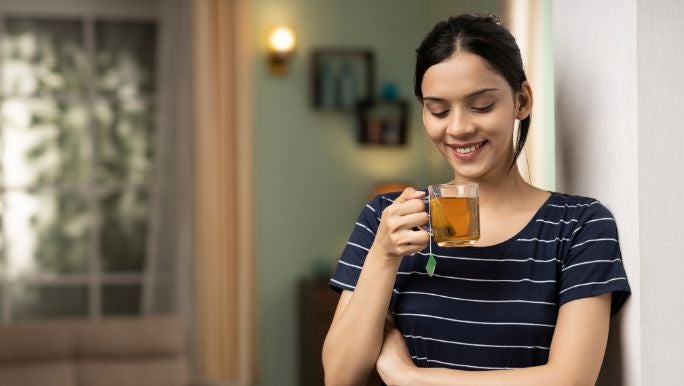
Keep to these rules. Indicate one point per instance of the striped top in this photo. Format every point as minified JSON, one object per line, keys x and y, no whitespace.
{"x":495,"y":307}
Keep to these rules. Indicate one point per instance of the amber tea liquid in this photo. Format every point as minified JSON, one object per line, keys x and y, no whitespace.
{"x":455,"y":220}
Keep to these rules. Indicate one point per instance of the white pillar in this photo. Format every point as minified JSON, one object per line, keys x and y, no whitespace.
{"x":597,"y":148}
{"x":619,"y":71}
{"x":660,"y":64}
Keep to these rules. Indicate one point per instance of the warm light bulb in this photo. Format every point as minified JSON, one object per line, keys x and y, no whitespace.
{"x":282,"y":39}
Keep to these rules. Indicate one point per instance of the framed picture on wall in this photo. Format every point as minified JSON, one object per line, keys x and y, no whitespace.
{"x":341,"y":78}
{"x":382,"y":122}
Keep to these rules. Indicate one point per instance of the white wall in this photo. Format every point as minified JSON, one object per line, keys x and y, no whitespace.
{"x":618,"y":71}
{"x":660,"y":64}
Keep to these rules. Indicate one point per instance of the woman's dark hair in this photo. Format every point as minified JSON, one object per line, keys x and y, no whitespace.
{"x":483,"y":36}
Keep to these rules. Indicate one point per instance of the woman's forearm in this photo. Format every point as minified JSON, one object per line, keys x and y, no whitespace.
{"x":353,"y":343}
{"x":545,"y":375}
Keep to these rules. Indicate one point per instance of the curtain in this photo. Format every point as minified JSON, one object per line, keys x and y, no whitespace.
{"x":224,"y":284}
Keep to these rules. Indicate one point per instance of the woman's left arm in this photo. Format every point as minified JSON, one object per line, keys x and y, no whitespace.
{"x":577,"y":349}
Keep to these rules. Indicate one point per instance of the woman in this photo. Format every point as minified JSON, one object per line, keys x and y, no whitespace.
{"x":530,"y":303}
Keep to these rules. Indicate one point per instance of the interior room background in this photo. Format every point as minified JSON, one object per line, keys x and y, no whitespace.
{"x":154,"y":164}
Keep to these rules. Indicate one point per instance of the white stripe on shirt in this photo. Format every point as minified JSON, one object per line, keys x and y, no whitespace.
{"x":349,"y":264}
{"x":475,"y":322}
{"x":473,"y":300}
{"x":478,"y":280}
{"x":592,"y":283}
{"x":572,"y":206}
{"x":590,"y":221}
{"x":458,"y":365}
{"x":600,"y":219}
{"x":358,"y":246}
{"x":593,"y":240}
{"x":590,"y":262}
{"x":544,"y":241}
{"x":342,"y":284}
{"x":492,"y":260}
{"x":365,"y":227}
{"x":474,"y":344}
{"x":557,"y":223}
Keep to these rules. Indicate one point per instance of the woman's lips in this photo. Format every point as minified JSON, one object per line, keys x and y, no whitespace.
{"x":467,"y":151}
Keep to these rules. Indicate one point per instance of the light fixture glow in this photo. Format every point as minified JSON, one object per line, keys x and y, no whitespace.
{"x":281,"y":46}
{"x":282,"y":39}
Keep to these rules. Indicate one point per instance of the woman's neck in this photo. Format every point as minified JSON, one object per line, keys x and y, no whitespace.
{"x":507,"y":191}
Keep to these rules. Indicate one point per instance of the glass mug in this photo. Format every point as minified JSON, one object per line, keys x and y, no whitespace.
{"x":454,"y":214}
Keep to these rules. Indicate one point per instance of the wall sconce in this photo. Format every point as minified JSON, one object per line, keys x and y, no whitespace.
{"x":281,"y":45}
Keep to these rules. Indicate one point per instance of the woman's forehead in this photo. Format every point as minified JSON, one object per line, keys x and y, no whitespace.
{"x":460,"y":75}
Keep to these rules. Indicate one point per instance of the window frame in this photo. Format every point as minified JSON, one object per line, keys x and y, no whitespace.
{"x":89,"y":12}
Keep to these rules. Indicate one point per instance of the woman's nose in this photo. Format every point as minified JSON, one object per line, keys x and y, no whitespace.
{"x":460,"y":125}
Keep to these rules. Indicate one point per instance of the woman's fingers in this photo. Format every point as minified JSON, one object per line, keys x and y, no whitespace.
{"x":396,"y":223}
{"x":408,"y":194}
{"x":414,"y":220}
{"x":418,"y":238}
{"x":400,"y":233}
{"x":413,"y":205}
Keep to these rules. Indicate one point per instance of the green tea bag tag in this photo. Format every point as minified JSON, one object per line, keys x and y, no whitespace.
{"x":431,"y":264}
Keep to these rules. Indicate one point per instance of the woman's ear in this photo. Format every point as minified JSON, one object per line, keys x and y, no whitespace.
{"x":523,"y":101}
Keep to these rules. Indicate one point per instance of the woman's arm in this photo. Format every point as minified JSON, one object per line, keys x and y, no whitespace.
{"x":577,"y":349}
{"x":355,"y":337}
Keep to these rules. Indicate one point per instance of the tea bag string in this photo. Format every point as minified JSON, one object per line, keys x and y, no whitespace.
{"x":430,"y":224}
{"x":432,"y":262}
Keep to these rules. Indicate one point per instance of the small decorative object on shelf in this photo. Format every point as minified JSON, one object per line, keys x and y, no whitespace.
{"x":341,"y":78}
{"x":383,"y":121}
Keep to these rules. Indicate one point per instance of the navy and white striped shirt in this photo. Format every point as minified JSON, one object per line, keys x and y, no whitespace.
{"x":495,"y":307}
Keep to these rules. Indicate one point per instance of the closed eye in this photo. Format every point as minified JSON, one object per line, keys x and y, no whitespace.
{"x":483,"y":109}
{"x":440,"y":114}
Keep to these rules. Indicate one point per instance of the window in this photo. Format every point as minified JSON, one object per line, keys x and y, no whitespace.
{"x":78,"y":108}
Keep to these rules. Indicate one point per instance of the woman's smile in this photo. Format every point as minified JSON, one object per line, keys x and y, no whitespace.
{"x":467,"y":151}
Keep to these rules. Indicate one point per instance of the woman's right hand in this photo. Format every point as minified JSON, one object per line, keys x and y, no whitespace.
{"x":399,"y":233}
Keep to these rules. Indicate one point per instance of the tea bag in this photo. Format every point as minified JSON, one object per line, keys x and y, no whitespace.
{"x":443,"y":219}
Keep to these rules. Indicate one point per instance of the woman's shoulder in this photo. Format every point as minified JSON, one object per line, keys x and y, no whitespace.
{"x":578,"y":206}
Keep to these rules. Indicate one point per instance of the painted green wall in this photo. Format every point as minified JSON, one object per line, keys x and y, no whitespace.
{"x":312,"y":178}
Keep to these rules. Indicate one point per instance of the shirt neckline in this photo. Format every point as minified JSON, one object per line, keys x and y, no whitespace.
{"x":512,"y":239}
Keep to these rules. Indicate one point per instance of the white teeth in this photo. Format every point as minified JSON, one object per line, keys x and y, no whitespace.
{"x":466,"y":150}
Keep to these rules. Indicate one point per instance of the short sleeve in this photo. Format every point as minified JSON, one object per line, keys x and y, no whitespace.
{"x":592,"y":264}
{"x":354,"y":253}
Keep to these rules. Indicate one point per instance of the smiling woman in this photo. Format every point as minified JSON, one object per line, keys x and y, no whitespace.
{"x":468,"y":110}
{"x":530,"y":302}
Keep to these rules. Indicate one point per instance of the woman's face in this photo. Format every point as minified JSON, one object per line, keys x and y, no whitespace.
{"x":469,"y":112}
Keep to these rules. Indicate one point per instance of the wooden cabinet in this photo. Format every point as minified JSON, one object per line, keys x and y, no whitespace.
{"x":316,"y":310}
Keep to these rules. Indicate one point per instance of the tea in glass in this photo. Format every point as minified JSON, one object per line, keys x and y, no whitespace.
{"x":454,"y":214}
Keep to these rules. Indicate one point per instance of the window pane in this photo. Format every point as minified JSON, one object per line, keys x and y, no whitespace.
{"x":125,"y":146}
{"x":44,"y":141}
{"x":124,"y":107}
{"x":45,"y":301}
{"x":43,"y":57}
{"x":123,"y":235}
{"x":126,"y":55}
{"x":46,"y":232}
{"x":121,"y":299}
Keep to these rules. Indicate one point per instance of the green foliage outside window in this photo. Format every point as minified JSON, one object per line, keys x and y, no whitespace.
{"x":77,"y":143}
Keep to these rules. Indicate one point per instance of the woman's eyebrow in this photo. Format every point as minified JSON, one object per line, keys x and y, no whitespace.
{"x":470,"y":95}
{"x":481,"y":91}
